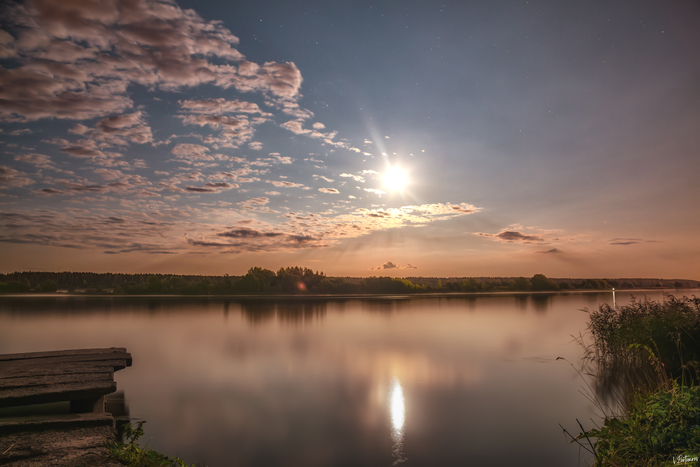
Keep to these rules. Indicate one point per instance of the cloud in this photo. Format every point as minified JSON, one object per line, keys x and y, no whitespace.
{"x":234,"y":130}
{"x":11,"y":178}
{"x":296,"y":127}
{"x":257,"y":204}
{"x":329,"y":180}
{"x":119,"y":130}
{"x":76,"y":62}
{"x":255,"y":145}
{"x":392,"y":265}
{"x":510,"y":236}
{"x":248,"y":233}
{"x":211,"y":187}
{"x":221,"y":106}
{"x":38,"y":160}
{"x":91,"y":151}
{"x":276,"y":158}
{"x":84,"y":230}
{"x":284,"y":184}
{"x":109,"y":174}
{"x":375,"y":191}
{"x":552,"y":251}
{"x":136,"y":226}
{"x":318,"y":126}
{"x":20,"y":132}
{"x":328,"y":190}
{"x":240,"y":240}
{"x":357,"y":178}
{"x":191,"y":152}
{"x":49,"y":192}
{"x":625,"y":241}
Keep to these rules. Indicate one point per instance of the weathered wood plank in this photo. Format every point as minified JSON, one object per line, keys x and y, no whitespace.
{"x":47,"y":380}
{"x":60,"y":353}
{"x":62,"y":421}
{"x":11,"y":371}
{"x":89,"y":390}
{"x":124,"y":360}
{"x":77,"y":447}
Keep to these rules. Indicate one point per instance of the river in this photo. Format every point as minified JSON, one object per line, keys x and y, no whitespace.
{"x":381,"y":382}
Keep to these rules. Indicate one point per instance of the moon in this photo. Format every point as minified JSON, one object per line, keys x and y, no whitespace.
{"x":395,"y":179}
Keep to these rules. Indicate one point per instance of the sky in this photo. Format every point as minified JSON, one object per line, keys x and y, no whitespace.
{"x":402,"y":138}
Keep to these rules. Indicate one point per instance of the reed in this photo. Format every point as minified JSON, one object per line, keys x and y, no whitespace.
{"x":645,"y":357}
{"x":643,"y":346}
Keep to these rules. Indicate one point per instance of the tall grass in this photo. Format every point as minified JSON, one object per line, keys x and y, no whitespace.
{"x":644,"y":346}
{"x":645,"y":356}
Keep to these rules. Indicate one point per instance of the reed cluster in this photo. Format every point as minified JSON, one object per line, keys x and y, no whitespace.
{"x":645,"y":356}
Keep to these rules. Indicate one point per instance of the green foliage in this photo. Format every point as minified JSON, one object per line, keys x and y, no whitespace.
{"x":594,"y":284}
{"x":660,"y":428}
{"x":291,"y":280}
{"x":131,"y":455}
{"x":521,"y":284}
{"x":386,"y":285}
{"x":14,"y":287}
{"x":540,"y":282}
{"x":48,"y":286}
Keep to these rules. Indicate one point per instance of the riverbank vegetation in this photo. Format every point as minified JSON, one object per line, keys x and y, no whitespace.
{"x":646,"y":357}
{"x":300,"y":280}
{"x":130,"y":454}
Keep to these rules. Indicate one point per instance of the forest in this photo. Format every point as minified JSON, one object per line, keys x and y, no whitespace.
{"x":299,"y":281}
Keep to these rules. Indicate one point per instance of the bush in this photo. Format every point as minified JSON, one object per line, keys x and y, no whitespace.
{"x":660,"y":429}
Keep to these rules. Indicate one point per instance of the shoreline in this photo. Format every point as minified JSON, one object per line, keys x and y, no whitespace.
{"x":328,"y":297}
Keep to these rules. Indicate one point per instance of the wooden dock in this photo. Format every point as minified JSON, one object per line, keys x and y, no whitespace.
{"x":52,"y":406}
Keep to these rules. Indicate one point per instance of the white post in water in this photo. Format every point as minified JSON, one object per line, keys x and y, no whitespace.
{"x":614,"y":298}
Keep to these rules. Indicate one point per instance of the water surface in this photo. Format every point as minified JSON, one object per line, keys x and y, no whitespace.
{"x":420,"y":382}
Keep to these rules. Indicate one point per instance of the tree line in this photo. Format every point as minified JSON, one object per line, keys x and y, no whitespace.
{"x":297,"y":281}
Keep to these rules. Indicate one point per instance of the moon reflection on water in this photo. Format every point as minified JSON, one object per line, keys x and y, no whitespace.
{"x":398,"y":418}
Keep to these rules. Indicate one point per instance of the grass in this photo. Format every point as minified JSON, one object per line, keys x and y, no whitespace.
{"x":643,"y":346}
{"x":646,"y":357}
{"x":132,"y":455}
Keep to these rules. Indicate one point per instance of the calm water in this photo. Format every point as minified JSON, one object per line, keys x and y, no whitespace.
{"x":420,"y":382}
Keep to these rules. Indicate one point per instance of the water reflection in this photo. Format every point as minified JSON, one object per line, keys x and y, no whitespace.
{"x":331,"y":383}
{"x":294,"y":312}
{"x":541,"y":302}
{"x":398,"y":417}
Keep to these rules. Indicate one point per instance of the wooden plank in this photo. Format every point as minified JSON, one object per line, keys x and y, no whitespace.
{"x":64,"y":356}
{"x":89,"y":390}
{"x":12,"y":371}
{"x":60,"y":421}
{"x":53,"y":361}
{"x":60,"y":353}
{"x":88,"y":405}
{"x":47,"y":380}
{"x":61,"y":447}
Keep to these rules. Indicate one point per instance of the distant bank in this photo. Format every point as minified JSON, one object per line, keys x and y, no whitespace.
{"x":304,"y":281}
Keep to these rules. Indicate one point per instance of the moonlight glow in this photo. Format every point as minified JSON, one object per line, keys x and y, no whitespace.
{"x":398,"y":409}
{"x":395,"y":179}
